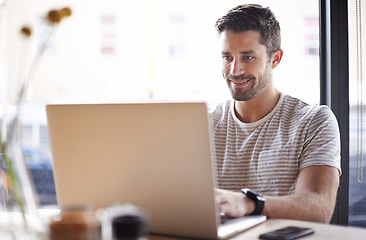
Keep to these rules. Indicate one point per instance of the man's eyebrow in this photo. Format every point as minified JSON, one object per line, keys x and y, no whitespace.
{"x":248,"y":52}
{"x":243,"y":52}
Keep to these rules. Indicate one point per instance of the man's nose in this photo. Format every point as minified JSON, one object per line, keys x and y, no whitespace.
{"x":236,"y":68}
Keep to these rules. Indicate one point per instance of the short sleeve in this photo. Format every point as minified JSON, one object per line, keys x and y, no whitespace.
{"x":322,"y":140}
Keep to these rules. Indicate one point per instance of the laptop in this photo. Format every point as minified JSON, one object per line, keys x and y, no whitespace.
{"x":156,"y":156}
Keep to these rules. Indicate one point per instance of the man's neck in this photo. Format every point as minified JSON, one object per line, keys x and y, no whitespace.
{"x":255,"y":109}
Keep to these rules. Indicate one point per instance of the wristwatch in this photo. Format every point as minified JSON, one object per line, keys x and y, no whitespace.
{"x":258,"y":199}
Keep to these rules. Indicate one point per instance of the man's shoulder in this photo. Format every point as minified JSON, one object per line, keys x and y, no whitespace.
{"x":297,"y":105}
{"x":220,"y":112}
{"x":297,"y":108}
{"x":220,"y":108}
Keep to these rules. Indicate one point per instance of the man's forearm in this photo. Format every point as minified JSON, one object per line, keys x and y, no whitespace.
{"x":305,"y":206}
{"x":313,"y":200}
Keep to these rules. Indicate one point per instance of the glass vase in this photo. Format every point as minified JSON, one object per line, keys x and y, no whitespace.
{"x":18,"y":201}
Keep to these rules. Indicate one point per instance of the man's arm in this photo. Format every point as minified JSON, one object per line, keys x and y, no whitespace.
{"x":313,"y":200}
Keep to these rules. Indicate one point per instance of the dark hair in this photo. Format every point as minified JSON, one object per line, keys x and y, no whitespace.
{"x":256,"y":18}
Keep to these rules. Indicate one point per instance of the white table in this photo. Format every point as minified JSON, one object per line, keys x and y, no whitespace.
{"x":322,"y":231}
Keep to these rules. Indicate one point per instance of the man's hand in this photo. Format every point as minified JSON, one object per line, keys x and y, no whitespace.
{"x":234,"y":204}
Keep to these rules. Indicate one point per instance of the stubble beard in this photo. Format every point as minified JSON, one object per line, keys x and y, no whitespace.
{"x":257,"y":85}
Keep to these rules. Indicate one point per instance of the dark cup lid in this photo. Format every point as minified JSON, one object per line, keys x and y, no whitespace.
{"x":128,"y":226}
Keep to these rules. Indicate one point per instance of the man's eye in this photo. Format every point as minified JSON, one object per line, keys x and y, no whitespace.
{"x":249,"y":57}
{"x":226,"y":58}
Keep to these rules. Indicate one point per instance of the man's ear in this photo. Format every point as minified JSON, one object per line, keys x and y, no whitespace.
{"x":276,"y":58}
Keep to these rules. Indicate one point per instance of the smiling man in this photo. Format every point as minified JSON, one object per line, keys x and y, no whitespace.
{"x":276,"y":155}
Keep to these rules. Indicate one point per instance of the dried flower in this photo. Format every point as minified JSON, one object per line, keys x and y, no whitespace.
{"x":55,"y":16}
{"x":65,"y":12}
{"x":26,"y":31}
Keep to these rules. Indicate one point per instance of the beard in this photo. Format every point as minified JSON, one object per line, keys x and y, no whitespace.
{"x":256,"y":85}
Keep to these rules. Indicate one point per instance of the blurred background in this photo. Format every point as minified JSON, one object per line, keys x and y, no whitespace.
{"x":145,"y":50}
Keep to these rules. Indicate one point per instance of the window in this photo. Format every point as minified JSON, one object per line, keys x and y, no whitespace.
{"x":26,"y":133}
{"x":108,"y":35}
{"x":43,"y":137}
{"x":357,"y":93}
{"x":177,"y":34}
{"x":311,"y":36}
{"x":146,"y":50}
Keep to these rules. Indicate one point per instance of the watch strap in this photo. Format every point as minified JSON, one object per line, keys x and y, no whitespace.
{"x":257,"y":198}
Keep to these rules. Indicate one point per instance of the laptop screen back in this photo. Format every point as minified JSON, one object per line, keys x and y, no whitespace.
{"x":154,"y":155}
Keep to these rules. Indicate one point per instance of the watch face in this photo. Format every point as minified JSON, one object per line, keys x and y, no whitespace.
{"x":248,"y":191}
{"x":253,"y":194}
{"x":261,"y":198}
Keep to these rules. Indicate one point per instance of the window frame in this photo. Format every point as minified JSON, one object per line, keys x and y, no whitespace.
{"x":334,"y":87}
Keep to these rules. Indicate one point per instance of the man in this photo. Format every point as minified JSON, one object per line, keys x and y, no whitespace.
{"x":273,"y":144}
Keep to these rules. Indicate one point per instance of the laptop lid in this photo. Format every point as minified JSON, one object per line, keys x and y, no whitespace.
{"x":156,"y":156}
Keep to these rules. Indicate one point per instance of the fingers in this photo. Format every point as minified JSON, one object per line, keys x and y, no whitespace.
{"x":231,"y":204}
{"x":220,"y":196}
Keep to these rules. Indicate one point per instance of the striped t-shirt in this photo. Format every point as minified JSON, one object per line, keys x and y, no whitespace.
{"x":267,"y":155}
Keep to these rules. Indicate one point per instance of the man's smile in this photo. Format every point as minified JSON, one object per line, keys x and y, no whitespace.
{"x":239,"y":82}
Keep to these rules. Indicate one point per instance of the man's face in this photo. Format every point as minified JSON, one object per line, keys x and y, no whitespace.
{"x":245,"y":64}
